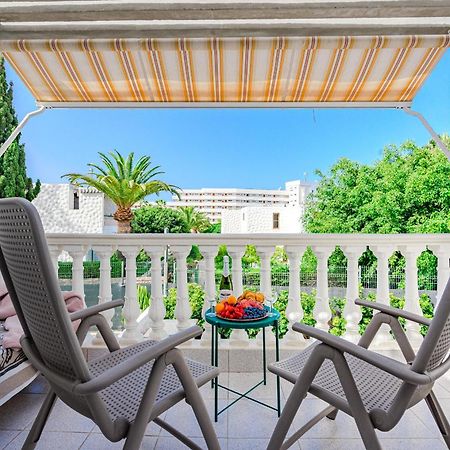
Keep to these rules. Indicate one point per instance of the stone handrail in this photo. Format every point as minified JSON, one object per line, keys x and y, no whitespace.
{"x":353,"y":245}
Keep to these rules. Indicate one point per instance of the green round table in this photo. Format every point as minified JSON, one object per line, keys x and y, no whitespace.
{"x":216,"y":323}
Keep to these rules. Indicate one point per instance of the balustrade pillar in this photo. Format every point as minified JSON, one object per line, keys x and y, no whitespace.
{"x":442,"y":253}
{"x":322,"y":312}
{"x":236,"y":254}
{"x":55,"y":251}
{"x":131,"y":311}
{"x":411,"y":253}
{"x":157,"y":310}
{"x":183,"y":310}
{"x":352,"y":312}
{"x":383,"y":253}
{"x":294,"y":308}
{"x":265,"y":282}
{"x":77,"y":253}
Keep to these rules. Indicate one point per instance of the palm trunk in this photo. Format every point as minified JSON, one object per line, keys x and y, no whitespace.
{"x":123,"y":216}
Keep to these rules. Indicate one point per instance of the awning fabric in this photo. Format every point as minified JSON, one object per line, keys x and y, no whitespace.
{"x":282,"y":69}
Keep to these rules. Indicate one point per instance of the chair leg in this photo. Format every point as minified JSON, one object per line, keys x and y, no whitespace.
{"x":439,"y":417}
{"x":194,"y":398}
{"x":40,"y":421}
{"x":333,"y":414}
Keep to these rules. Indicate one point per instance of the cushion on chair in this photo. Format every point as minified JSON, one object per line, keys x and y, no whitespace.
{"x":377,"y":388}
{"x":123,"y":398}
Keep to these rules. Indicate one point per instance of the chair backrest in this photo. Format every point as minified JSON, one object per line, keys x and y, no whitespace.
{"x":33,"y":286}
{"x":436,"y":344}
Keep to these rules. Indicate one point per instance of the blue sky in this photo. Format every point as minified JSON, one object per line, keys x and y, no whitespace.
{"x":226,"y":148}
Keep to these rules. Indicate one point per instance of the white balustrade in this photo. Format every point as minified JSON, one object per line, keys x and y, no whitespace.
{"x":411,"y":253}
{"x":157,"y":310}
{"x":322,"y":312}
{"x":77,"y":253}
{"x":352,"y":245}
{"x":209,"y":274}
{"x":442,"y":252}
{"x":236,"y":253}
{"x":352,"y":312}
{"x":293,"y":308}
{"x":131,"y":311}
{"x":182,"y":309}
{"x":383,"y":253}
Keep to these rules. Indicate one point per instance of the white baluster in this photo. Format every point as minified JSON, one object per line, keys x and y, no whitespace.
{"x":209,"y":274}
{"x":411,"y":253}
{"x":236,"y":253}
{"x":293,"y":308}
{"x":183,"y":310}
{"x":383,"y":253}
{"x":352,"y":312}
{"x":105,"y":293}
{"x":77,"y":253}
{"x":442,"y":253}
{"x":265,"y":282}
{"x":131,"y":311}
{"x":322,"y":312}
{"x":55,"y":251}
{"x":157,"y":310}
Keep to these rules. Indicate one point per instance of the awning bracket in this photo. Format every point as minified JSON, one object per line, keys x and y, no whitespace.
{"x":18,"y":129}
{"x":439,"y":142}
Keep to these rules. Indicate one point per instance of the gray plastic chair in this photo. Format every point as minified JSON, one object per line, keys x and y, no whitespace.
{"x":375,"y":389}
{"x":122,"y":391}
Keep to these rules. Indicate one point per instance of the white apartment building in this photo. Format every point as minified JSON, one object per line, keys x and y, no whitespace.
{"x":214,"y":201}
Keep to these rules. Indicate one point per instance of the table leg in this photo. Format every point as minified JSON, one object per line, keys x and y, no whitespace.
{"x":264,"y":355}
{"x":216,"y":382}
{"x":277,"y":357}
{"x":212,"y":351}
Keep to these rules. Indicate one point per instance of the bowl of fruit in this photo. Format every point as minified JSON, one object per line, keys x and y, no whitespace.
{"x":247,"y":307}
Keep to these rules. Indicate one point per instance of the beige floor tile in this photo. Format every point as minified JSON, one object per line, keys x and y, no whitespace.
{"x":6,"y":436}
{"x":332,"y":444}
{"x":96,"y":441}
{"x":51,"y":441}
{"x":19,"y":411}
{"x":170,"y":443}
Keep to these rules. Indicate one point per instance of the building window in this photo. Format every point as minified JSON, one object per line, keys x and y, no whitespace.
{"x":276,"y":221}
{"x":76,"y":200}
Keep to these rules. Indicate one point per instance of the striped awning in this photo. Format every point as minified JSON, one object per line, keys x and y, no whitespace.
{"x":380,"y":69}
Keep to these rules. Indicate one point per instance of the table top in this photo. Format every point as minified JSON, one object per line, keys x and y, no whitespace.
{"x":212,"y":319}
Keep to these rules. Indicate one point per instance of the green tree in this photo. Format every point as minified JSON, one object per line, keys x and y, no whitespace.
{"x":154,"y":219}
{"x":407,"y":191}
{"x":124,"y":182}
{"x":197,"y":222}
{"x":14,"y":181}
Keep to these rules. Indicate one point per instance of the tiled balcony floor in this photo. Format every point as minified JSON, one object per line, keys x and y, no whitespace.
{"x":246,"y":425}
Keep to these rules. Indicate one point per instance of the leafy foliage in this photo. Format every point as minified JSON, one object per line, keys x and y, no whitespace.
{"x":154,"y":219}
{"x":427,"y":308}
{"x":308,"y":302}
{"x":407,"y":191}
{"x":195,"y":220}
{"x":337,"y":322}
{"x":14,"y":181}
{"x":366,"y":313}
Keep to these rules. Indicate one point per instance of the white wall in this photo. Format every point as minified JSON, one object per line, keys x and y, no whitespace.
{"x":55,"y":206}
{"x":260,"y":220}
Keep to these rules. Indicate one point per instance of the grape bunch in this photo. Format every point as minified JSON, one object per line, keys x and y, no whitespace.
{"x":252,"y":312}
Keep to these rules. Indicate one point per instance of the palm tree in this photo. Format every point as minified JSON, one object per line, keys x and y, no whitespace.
{"x":196,"y":220}
{"x":124,"y":182}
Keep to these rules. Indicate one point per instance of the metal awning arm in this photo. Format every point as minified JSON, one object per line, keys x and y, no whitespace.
{"x":439,"y":142}
{"x":18,"y":129}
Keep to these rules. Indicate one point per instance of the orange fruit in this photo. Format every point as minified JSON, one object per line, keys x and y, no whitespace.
{"x":231,"y":300}
{"x":250,"y":296}
{"x":219,"y":308}
{"x":259,"y":296}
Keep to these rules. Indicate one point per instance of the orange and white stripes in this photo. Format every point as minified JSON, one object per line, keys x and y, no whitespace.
{"x":252,"y":69}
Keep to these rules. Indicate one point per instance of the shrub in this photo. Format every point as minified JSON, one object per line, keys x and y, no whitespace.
{"x":427,"y":308}
{"x":398,"y":302}
{"x":143,"y":297}
{"x":308,"y":302}
{"x":281,"y":305}
{"x":154,"y":219}
{"x":337,"y":322}
{"x":366,"y":313}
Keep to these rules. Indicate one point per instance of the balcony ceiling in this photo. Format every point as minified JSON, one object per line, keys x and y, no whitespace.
{"x":77,"y":19}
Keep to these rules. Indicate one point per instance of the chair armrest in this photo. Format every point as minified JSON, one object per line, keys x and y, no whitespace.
{"x":395,"y":312}
{"x":117,"y":372}
{"x":392,"y":366}
{"x":92,"y":310}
